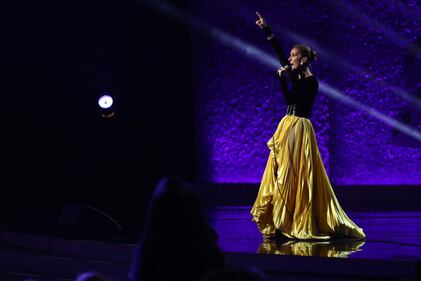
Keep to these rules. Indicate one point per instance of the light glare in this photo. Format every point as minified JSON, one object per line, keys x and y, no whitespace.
{"x":105,"y":101}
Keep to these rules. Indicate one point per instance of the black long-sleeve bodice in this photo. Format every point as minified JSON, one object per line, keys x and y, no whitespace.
{"x":299,"y":91}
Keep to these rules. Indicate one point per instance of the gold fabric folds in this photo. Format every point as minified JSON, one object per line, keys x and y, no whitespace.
{"x":301,"y":203}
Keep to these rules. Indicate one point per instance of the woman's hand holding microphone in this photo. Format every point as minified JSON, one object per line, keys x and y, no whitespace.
{"x":282,"y":70}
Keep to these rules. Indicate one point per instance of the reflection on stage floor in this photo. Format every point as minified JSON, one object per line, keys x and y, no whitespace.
{"x":390,"y":235}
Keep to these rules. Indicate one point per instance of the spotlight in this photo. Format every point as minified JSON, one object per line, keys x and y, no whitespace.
{"x":105,"y":103}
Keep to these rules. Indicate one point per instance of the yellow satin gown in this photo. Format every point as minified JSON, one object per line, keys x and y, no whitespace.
{"x":295,"y":197}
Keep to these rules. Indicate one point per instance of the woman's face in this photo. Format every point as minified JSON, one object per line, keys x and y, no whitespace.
{"x":294,"y":58}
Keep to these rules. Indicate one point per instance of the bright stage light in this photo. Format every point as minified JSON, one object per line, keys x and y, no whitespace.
{"x":105,"y":103}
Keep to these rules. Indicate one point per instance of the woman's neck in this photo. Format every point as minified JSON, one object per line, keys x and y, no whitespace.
{"x":307,"y":72}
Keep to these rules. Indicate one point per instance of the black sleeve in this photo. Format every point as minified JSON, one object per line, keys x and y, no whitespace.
{"x":312,"y":91}
{"x":275,"y":46}
{"x":286,"y":89}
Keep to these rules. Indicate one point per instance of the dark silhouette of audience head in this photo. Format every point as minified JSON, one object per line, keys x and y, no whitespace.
{"x":92,"y":276}
{"x":176,"y":242}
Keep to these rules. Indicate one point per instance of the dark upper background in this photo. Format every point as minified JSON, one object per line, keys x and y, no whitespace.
{"x":56,"y":149}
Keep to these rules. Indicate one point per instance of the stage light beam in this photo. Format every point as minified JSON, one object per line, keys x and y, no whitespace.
{"x":269,"y":60}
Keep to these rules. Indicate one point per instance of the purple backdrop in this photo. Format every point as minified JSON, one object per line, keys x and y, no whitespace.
{"x":363,"y":50}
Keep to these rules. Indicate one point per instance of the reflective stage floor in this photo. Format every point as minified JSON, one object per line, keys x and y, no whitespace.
{"x":392,"y":251}
{"x":390,"y":235}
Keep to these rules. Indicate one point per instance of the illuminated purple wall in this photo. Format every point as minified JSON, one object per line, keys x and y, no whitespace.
{"x":236,"y":115}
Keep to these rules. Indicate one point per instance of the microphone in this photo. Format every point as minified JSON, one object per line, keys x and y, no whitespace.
{"x":287,"y":68}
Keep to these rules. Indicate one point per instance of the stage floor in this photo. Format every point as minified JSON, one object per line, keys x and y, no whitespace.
{"x":392,"y":251}
{"x":390,"y":235}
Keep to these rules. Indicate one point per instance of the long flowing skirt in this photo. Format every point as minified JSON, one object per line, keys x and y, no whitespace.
{"x":296,"y":198}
